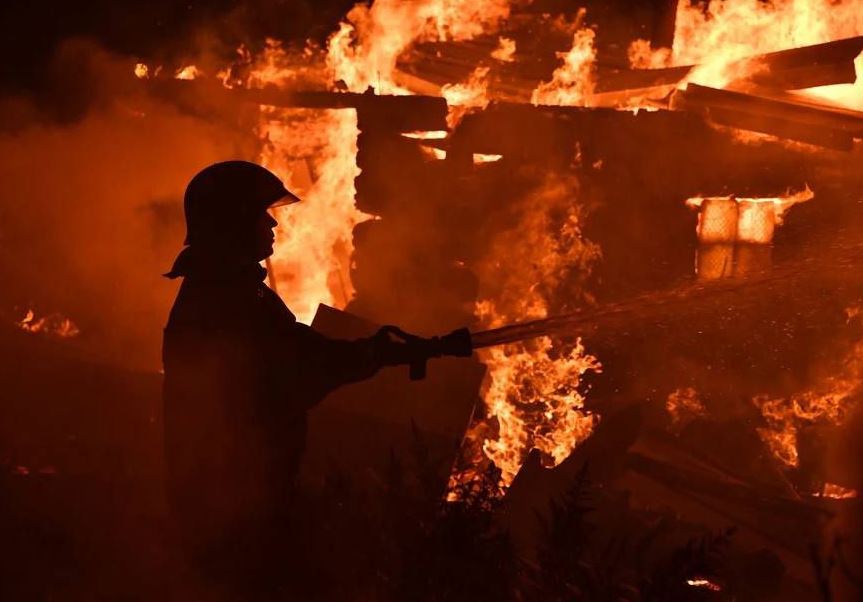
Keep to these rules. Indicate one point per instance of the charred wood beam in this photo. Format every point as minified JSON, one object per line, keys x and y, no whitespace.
{"x":765,"y":514}
{"x":810,"y":66}
{"x":785,"y":117}
{"x":795,"y":69}
{"x":404,"y":112}
{"x":783,"y":128}
{"x":613,"y":80}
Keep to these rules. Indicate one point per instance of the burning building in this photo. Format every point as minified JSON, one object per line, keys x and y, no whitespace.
{"x":650,"y":219}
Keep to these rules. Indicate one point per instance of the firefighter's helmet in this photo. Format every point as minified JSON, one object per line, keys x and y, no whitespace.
{"x":230,"y":197}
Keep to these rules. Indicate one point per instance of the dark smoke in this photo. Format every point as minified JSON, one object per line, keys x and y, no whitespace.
{"x":91,"y":188}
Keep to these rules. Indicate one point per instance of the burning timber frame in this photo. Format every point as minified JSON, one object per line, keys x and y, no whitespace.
{"x":760,"y":103}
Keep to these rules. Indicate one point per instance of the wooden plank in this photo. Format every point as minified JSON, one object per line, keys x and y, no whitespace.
{"x":783,"y":128}
{"x":806,"y":121}
{"x":407,"y":112}
{"x":810,"y":66}
{"x":794,"y":69}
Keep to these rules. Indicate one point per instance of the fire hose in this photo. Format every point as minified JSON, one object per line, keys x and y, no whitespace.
{"x":730,"y":296}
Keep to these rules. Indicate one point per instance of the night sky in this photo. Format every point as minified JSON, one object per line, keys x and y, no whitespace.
{"x":157,"y":29}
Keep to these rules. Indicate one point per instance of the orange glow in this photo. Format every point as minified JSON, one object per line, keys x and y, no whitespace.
{"x":142,"y":71}
{"x":830,"y":402}
{"x":52,"y":325}
{"x":466,"y":97}
{"x":836,"y":492}
{"x":505,"y":51}
{"x":426,"y":135}
{"x":188,"y":72}
{"x":430,"y":152}
{"x":684,"y":406}
{"x":744,"y":219}
{"x":485,"y":158}
{"x":704,"y":584}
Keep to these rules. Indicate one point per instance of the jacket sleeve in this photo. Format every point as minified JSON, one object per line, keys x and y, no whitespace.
{"x":326,"y":364}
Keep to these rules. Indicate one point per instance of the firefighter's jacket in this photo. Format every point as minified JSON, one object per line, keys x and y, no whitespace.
{"x":240,"y":375}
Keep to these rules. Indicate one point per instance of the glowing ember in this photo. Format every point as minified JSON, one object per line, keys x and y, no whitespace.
{"x":703,"y":583}
{"x":483,"y":158}
{"x":52,"y":325}
{"x":188,"y":72}
{"x":142,"y":71}
{"x":505,"y":51}
{"x":684,"y":406}
{"x":830,"y":402}
{"x":573,"y":82}
{"x":426,"y":135}
{"x":836,"y":492}
{"x":430,"y":152}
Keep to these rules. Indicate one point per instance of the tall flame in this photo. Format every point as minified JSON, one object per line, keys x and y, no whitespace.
{"x":574,"y":81}
{"x":314,"y":152}
{"x":716,"y":36}
{"x":364,"y":51}
{"x":531,"y":393}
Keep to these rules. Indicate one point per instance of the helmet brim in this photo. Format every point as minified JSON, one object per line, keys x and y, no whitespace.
{"x":289,"y":198}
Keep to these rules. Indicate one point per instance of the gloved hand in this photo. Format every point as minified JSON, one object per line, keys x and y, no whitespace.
{"x":396,"y":347}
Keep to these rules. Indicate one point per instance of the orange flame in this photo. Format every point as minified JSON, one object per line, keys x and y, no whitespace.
{"x":572,"y":83}
{"x":466,"y":97}
{"x":505,"y":51}
{"x":536,"y":403}
{"x":52,"y":325}
{"x":188,"y":72}
{"x":364,"y":51}
{"x":836,"y":492}
{"x":531,"y":391}
{"x":829,"y":402}
{"x":684,"y":406}
{"x":719,"y":35}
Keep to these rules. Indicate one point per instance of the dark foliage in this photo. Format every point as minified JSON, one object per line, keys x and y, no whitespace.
{"x":596,"y":548}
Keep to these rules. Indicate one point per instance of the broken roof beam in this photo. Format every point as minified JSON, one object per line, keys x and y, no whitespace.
{"x":810,"y":66}
{"x":795,"y":69}
{"x":406,"y":112}
{"x":785,"y":117}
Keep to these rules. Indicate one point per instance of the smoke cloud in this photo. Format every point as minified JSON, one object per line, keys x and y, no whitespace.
{"x":91,"y":183}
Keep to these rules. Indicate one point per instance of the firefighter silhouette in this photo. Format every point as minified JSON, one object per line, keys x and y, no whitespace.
{"x":241,"y":373}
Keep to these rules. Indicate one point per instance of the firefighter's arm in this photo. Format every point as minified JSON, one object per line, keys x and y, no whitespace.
{"x":336,"y":362}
